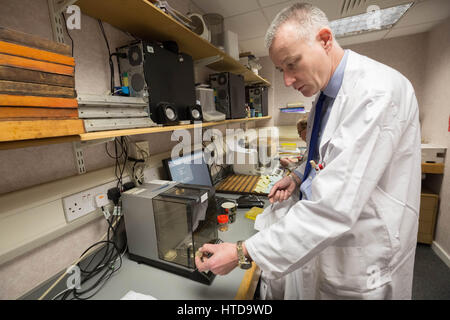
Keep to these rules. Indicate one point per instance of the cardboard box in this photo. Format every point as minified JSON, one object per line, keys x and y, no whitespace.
{"x":427,"y":217}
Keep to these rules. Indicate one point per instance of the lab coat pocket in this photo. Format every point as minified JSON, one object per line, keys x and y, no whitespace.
{"x":343,"y":269}
{"x":391,"y":212}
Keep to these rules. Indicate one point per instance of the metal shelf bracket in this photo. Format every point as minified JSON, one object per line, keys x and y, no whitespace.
{"x":78,"y":146}
{"x":55,"y":8}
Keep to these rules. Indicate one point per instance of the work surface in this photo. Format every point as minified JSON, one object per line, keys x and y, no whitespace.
{"x":162,"y":284}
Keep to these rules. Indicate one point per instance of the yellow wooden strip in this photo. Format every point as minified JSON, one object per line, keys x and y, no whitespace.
{"x":243,"y":184}
{"x":249,"y":283}
{"x":223,"y":183}
{"x":27,"y":52}
{"x":227,"y":182}
{"x":237,"y":179}
{"x":37,"y":129}
{"x":33,"y":101}
{"x":8,"y":145}
{"x":251,"y":185}
{"x":436,"y":168}
{"x":13,"y":61}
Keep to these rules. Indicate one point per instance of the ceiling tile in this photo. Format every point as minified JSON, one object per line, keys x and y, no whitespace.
{"x":268,"y":3}
{"x":362,"y":38}
{"x":271,"y":12}
{"x":330,"y":8}
{"x":424,"y":12}
{"x":227,"y":8}
{"x":403,"y":31}
{"x":247,"y":26}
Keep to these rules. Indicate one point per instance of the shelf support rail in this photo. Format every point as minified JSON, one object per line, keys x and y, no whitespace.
{"x":55,"y":7}
{"x":78,"y":146}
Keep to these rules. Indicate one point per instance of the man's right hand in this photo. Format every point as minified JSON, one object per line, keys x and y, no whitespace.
{"x":282,"y":190}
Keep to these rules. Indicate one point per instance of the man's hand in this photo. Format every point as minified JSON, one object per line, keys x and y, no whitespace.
{"x":223,"y":260}
{"x":286,"y":162}
{"x":282,"y":190}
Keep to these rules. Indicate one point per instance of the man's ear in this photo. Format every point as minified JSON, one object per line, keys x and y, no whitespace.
{"x":325,"y":37}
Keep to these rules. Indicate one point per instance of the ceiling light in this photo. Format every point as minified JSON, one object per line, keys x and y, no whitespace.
{"x":374,"y":19}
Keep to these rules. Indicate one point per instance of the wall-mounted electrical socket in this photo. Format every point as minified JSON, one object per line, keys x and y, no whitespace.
{"x":83,"y":203}
{"x":139,"y":150}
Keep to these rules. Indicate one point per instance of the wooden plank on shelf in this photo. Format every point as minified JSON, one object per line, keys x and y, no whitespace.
{"x":34,"y":89}
{"x":435,"y":168}
{"x":34,"y":41}
{"x":28,"y":142}
{"x":18,"y":144}
{"x":37,"y":129}
{"x":13,"y":61}
{"x":15,"y":113}
{"x":37,"y":54}
{"x":33,"y":101}
{"x":32,"y":76}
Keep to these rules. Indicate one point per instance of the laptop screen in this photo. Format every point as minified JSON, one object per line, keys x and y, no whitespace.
{"x":189,"y":169}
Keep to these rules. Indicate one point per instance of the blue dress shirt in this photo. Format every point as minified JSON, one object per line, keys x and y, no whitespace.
{"x":331,"y":92}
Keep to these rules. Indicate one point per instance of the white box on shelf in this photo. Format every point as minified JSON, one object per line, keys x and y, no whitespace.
{"x":433,"y":153}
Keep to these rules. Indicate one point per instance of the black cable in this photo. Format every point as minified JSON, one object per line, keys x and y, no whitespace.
{"x":111,"y":65}
{"x":106,"y":266}
{"x":67,"y":30}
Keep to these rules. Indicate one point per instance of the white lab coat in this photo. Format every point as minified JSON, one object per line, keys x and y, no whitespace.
{"x":356,"y":237}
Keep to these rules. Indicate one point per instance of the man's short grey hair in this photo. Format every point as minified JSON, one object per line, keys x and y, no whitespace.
{"x":309,"y":18}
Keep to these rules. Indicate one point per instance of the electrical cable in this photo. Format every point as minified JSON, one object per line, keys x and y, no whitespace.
{"x":108,"y":266}
{"x":67,"y":30}
{"x":111,"y":64}
{"x":75,"y":263}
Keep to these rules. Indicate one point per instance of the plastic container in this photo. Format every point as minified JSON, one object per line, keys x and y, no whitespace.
{"x":214,"y":22}
{"x":223,"y":222}
{"x":230,"y":210}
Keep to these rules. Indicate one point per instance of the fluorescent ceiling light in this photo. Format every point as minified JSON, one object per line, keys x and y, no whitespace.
{"x":374,"y":19}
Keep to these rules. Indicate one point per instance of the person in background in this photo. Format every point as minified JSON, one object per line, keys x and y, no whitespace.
{"x":288,"y":162}
{"x":353,"y":235}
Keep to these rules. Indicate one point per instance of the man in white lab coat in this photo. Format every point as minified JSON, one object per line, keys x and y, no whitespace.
{"x":353,"y":235}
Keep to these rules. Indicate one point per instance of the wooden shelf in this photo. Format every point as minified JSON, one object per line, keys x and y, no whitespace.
{"x":146,"y":21}
{"x":436,"y":168}
{"x":115,"y":133}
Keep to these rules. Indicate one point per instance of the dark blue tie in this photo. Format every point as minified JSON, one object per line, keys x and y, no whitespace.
{"x":314,"y":136}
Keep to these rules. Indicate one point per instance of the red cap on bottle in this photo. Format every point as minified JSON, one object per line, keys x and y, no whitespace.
{"x":222,"y":218}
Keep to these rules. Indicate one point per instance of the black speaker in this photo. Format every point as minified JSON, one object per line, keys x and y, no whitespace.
{"x":166,"y":113}
{"x":161,"y":74}
{"x":229,"y":94}
{"x":195,"y":113}
{"x":258,"y":97}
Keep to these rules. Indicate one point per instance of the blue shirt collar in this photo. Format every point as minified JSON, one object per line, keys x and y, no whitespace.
{"x":335,"y":83}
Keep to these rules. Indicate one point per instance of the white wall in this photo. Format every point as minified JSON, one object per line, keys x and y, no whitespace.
{"x":436,"y":117}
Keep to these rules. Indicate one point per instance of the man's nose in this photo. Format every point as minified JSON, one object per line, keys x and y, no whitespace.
{"x":288,"y":79}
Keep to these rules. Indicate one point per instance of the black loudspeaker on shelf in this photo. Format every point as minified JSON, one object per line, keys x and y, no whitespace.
{"x":162,"y":75}
{"x":166,"y":113}
{"x":230,"y":94}
{"x":195,"y":113}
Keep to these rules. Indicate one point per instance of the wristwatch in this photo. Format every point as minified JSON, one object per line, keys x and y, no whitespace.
{"x":244,"y":263}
